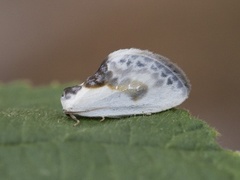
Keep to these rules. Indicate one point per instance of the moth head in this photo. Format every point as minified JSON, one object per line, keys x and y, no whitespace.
{"x":70,"y":92}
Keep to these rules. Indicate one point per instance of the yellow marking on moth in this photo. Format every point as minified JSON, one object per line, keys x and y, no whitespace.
{"x":135,"y":89}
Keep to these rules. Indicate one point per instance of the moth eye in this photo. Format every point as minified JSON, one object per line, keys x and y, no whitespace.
{"x":69,"y":91}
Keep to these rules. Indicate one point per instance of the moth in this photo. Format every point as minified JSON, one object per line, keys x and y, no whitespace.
{"x":128,"y":82}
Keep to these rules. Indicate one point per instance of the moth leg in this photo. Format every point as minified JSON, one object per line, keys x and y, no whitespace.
{"x":103,"y":118}
{"x":74,"y":118}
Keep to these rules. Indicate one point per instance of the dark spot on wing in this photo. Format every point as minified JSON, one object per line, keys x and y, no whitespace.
{"x":175,"y":69}
{"x":134,"y":56}
{"x":169,"y":81}
{"x":99,"y":78}
{"x":179,"y":85}
{"x":133,"y":88}
{"x":159,"y":65}
{"x":167,"y":71}
{"x":103,"y":67}
{"x":140,"y":64}
{"x":154,"y":68}
{"x":175,"y":78}
{"x":113,"y":82}
{"x":163,"y":74}
{"x":109,"y":75}
{"x":95,"y":81}
{"x":147,"y":59}
{"x":129,"y":62}
{"x":122,"y":61}
{"x":139,"y":93}
{"x":159,"y":83}
{"x":178,"y":75}
{"x":112,"y":64}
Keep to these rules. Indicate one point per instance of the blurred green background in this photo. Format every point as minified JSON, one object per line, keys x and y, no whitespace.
{"x":45,"y":41}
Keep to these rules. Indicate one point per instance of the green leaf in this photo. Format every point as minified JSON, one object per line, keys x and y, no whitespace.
{"x":37,"y":141}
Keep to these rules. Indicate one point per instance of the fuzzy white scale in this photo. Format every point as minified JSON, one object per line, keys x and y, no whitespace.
{"x":129,"y":82}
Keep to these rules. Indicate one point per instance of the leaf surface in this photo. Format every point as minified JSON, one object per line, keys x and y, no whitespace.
{"x":38,"y":141}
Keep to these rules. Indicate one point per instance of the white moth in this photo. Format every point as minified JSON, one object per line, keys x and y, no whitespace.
{"x":128,"y":82}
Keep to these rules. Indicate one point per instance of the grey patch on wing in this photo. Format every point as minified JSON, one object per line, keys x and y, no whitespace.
{"x":154,"y":68}
{"x":155,"y":75}
{"x":179,"y":85}
{"x":121,"y":71}
{"x":147,"y":59}
{"x":159,"y":83}
{"x":175,"y":78}
{"x":134,"y":56}
{"x":134,"y":89}
{"x":159,"y":65}
{"x":112,"y":64}
{"x":99,"y":78}
{"x":129,"y":62}
{"x":122,"y":61}
{"x":169,"y":81}
{"x":163,"y":74}
{"x":170,"y":68}
{"x":140,"y":64}
{"x":118,"y":84}
{"x":137,"y":93}
{"x":108,"y":75}
{"x":113,"y":82}
{"x":168,"y":71}
{"x":177,"y":73}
